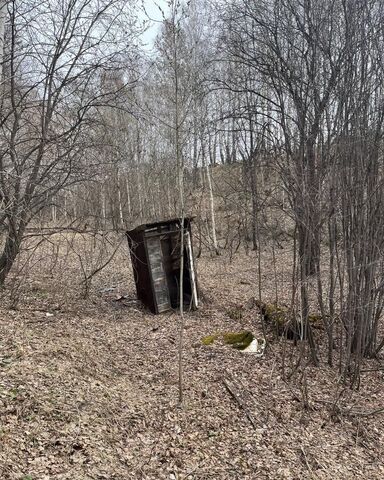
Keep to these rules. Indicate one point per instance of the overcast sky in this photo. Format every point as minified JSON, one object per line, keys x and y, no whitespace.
{"x":155,"y":17}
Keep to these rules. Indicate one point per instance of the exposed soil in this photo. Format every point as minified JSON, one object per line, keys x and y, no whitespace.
{"x":89,"y":387}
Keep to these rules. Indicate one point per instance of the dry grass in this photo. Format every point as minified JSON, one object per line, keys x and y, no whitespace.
{"x":89,"y":391}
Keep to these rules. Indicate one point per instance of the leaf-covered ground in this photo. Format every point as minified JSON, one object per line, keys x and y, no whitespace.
{"x":89,"y":387}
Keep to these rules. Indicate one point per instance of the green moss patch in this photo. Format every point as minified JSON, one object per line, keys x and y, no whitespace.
{"x":209,"y":339}
{"x":237,"y":340}
{"x":281,"y":319}
{"x":240,"y":340}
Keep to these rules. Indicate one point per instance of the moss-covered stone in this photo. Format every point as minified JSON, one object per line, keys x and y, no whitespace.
{"x":209,"y":339}
{"x":237,"y":340}
{"x":276,"y":314}
{"x":281,"y":319}
{"x":316,"y":320}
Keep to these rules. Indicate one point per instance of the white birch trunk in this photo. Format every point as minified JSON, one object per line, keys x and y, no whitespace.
{"x":73,"y":198}
{"x":121,"y":215}
{"x":54,"y":213}
{"x":65,"y":205}
{"x":103,"y":205}
{"x":159,"y":199}
{"x":191,"y":269}
{"x":3,"y":15}
{"x":129,"y":208}
{"x":212,"y":210}
{"x":169,"y":198}
{"x":139,"y":196}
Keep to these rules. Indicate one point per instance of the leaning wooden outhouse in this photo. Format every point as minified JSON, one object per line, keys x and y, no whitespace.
{"x":155,"y":255}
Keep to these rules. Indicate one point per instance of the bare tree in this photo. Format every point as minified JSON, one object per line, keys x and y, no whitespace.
{"x":54,"y":57}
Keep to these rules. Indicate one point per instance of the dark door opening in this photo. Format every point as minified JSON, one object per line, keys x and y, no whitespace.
{"x":170,"y":246}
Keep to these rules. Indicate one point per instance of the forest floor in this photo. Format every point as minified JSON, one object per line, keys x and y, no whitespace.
{"x":89,"y":387}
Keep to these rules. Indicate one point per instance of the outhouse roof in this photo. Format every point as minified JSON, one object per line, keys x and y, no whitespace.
{"x":146,"y":226}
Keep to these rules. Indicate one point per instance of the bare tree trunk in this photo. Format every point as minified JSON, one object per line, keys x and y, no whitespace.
{"x":11,"y":248}
{"x":103,"y":205}
{"x":139,"y":192}
{"x":169,"y":201}
{"x":119,"y":199}
{"x":212,"y":210}
{"x":54,"y":213}
{"x":174,"y":24}
{"x":304,"y":262}
{"x":3,"y":14}
{"x":129,"y":207}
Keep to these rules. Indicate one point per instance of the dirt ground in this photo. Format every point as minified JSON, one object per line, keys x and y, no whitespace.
{"x":89,"y":387}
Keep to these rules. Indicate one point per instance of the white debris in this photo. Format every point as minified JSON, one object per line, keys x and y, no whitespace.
{"x":256,"y":346}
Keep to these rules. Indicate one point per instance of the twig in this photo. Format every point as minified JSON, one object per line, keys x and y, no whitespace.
{"x":191,"y":472}
{"x":356,"y":413}
{"x":378,"y":369}
{"x":239,"y":401}
{"x":101,"y":267}
{"x":306,"y":460}
{"x":366,"y":414}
